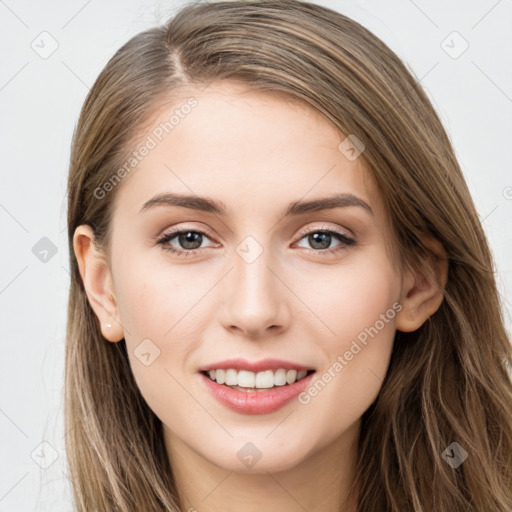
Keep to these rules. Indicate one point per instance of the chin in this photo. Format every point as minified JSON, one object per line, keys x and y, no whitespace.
{"x":257,"y":455}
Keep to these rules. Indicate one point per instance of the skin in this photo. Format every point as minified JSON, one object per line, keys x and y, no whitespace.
{"x":290,"y":303}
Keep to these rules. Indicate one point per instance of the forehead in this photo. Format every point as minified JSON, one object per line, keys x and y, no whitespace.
{"x":249,"y":150}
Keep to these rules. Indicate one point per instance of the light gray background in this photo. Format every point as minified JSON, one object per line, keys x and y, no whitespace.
{"x":40,"y":100}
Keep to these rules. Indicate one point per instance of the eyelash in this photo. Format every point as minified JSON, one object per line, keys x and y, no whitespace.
{"x":345,"y":240}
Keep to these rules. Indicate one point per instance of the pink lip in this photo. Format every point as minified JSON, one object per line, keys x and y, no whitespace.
{"x":256,"y":402}
{"x":256,"y":366}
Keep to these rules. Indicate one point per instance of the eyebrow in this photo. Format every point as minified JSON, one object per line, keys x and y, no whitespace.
{"x":300,"y":207}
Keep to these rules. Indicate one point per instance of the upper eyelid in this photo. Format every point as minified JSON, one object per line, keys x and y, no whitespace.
{"x":173,"y":232}
{"x":314,"y":229}
{"x":310,"y":229}
{"x":205,"y":231}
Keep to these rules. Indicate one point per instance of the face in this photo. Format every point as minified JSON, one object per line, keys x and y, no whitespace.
{"x":314,"y":289}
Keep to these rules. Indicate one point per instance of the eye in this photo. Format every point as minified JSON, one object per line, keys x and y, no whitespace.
{"x":320,"y":240}
{"x":190,"y":241}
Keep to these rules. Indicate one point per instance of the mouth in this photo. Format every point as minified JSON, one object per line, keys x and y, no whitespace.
{"x":246,"y":380}
{"x":261,"y":387}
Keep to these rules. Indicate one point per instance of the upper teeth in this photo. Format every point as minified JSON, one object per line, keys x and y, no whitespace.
{"x":247,"y":379}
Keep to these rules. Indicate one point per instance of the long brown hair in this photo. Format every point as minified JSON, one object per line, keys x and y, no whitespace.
{"x":447,"y":382}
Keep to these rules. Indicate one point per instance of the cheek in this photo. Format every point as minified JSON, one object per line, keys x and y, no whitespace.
{"x":156,"y":300}
{"x":162,"y":314}
{"x":350,"y":298}
{"x":360,"y":308}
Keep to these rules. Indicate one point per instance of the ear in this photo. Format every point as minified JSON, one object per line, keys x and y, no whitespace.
{"x":98,"y":282}
{"x":423,"y":289}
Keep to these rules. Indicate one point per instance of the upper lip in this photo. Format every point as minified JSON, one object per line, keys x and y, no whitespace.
{"x":254,"y":366}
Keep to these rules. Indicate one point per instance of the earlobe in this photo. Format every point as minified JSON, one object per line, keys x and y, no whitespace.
{"x":423,"y":288}
{"x":97,"y":282}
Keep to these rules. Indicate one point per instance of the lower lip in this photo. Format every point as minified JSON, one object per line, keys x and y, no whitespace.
{"x":256,"y":402}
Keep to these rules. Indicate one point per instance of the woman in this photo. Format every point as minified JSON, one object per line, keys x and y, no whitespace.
{"x":281,"y":294}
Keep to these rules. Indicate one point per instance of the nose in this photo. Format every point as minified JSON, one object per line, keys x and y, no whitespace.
{"x":256,"y":304}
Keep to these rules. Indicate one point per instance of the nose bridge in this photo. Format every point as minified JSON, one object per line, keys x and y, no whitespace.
{"x":255,"y":299}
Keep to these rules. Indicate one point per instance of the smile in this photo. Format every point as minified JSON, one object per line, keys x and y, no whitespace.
{"x":260,"y":387}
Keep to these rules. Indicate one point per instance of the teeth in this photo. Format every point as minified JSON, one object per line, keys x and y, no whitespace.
{"x":220,"y":376}
{"x":291,"y":376}
{"x":280,"y":377}
{"x":261,"y":380}
{"x":264,"y":379}
{"x":231,"y":378}
{"x":245,"y":379}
